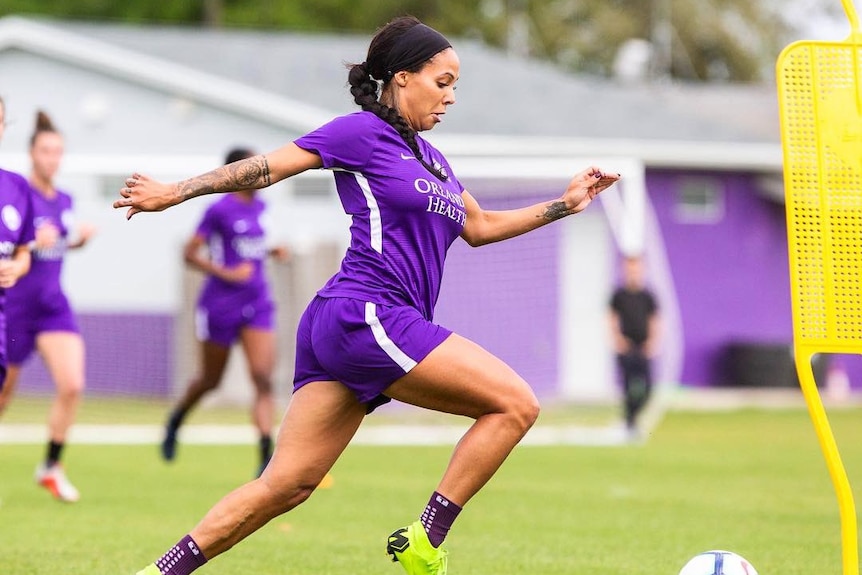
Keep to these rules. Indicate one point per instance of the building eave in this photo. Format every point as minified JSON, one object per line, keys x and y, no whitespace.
{"x":119,"y":62}
{"x":756,"y":157}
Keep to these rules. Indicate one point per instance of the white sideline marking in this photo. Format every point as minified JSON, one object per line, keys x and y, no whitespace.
{"x":246,"y":435}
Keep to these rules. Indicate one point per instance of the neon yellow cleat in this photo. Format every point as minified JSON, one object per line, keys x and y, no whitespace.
{"x":150,"y":569}
{"x":410,"y":547}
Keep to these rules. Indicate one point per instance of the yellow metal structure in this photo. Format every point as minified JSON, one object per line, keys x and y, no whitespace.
{"x":820,"y":102}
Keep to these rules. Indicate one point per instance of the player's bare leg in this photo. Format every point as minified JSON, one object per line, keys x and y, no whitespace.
{"x":213,"y":359}
{"x":259,"y":348}
{"x":319,"y":423}
{"x":461,"y":378}
{"x":9,"y":386}
{"x":63,"y":354}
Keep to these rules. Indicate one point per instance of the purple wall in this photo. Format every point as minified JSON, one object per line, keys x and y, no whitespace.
{"x":504,"y":296}
{"x":127,"y":354}
{"x":731,"y":275}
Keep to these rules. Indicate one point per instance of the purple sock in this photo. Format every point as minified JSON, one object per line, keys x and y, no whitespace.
{"x":438,"y":517}
{"x":182,"y":558}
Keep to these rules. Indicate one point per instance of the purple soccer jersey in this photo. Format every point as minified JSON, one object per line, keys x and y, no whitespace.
{"x":43,"y":280}
{"x":232,"y":229}
{"x":37,"y":303}
{"x":372,"y":321}
{"x":403,"y":217}
{"x":16,"y":229}
{"x":16,"y":214}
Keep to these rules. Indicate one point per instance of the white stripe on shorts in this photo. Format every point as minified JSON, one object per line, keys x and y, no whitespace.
{"x":382,"y":339}
{"x":202,"y":330}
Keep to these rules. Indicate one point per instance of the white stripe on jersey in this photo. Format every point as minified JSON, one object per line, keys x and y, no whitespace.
{"x":374,"y":213}
{"x":382,"y":339}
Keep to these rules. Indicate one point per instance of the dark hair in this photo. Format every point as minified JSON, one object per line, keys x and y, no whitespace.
{"x":44,"y":125}
{"x":237,"y":154}
{"x":367,"y":79}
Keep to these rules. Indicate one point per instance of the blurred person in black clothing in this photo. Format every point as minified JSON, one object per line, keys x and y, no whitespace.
{"x":634,"y":319}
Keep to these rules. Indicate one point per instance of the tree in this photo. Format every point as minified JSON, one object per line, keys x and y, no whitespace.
{"x":688,"y":39}
{"x":692,"y":40}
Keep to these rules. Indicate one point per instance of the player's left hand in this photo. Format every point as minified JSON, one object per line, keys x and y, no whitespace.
{"x":280,"y":253}
{"x":585,"y":186}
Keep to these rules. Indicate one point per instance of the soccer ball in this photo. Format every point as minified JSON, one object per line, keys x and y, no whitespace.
{"x":718,"y":563}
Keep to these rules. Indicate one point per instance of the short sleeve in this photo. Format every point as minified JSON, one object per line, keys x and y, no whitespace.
{"x":346,"y":142}
{"x":28,"y":229}
{"x":208,"y":222}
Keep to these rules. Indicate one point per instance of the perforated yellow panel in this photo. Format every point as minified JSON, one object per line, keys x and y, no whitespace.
{"x":820,"y":101}
{"x":821,"y":118}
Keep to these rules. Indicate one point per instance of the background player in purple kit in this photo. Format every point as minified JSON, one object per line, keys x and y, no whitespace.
{"x":234,"y":304}
{"x":16,"y":233}
{"x":368,"y":336}
{"x":39,"y":316}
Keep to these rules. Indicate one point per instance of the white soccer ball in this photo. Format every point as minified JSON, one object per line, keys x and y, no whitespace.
{"x":718,"y":563}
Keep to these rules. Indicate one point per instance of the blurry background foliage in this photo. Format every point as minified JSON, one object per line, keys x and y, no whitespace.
{"x":690,"y":40}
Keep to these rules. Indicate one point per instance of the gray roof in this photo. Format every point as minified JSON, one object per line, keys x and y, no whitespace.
{"x":497,"y":93}
{"x":299,"y":79}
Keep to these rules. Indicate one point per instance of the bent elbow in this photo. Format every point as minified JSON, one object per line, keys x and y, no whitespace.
{"x":475,"y":235}
{"x":474,"y":240}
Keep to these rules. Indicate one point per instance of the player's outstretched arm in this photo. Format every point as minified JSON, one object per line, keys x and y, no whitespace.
{"x":485,"y":227}
{"x":144,"y":194}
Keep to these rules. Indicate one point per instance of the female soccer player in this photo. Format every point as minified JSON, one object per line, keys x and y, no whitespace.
{"x":368,"y":336}
{"x":235,"y":304}
{"x":38,"y":313}
{"x":16,"y":233}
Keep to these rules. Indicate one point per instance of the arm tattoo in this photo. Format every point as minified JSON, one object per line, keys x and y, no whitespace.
{"x":555,"y":211}
{"x":266,"y":178}
{"x":248,"y":174}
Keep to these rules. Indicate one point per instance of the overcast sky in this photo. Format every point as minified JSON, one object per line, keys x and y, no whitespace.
{"x":819,"y":19}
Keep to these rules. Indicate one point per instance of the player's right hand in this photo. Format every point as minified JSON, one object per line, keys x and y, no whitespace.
{"x":143,"y":194}
{"x":240,"y":273}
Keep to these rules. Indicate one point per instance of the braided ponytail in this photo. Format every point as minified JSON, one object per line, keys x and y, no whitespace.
{"x":366,"y":79}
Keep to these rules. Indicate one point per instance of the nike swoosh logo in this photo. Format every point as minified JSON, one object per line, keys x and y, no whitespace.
{"x":407,"y":156}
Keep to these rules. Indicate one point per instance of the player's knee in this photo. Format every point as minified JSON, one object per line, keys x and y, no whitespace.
{"x":207,"y":384}
{"x":286,"y":495}
{"x":262,"y":383}
{"x":523,"y":409}
{"x":72,"y":389}
{"x":529,"y":412}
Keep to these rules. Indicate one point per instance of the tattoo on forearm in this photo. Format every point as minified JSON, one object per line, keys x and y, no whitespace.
{"x":248,"y":174}
{"x":555,"y":211}
{"x":266,"y":178}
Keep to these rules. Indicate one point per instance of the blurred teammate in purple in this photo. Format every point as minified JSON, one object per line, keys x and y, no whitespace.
{"x":39,"y":317}
{"x":234,"y":305}
{"x":369,"y":337}
{"x":16,"y":234}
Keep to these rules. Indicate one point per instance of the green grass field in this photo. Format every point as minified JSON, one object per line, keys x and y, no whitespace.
{"x":750,"y":481}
